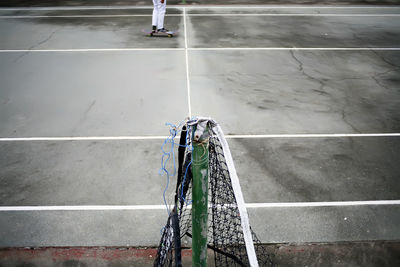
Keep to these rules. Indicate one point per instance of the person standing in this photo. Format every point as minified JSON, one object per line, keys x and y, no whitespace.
{"x":158,"y":16}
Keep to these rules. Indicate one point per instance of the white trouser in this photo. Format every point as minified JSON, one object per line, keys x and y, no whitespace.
{"x":159,"y":13}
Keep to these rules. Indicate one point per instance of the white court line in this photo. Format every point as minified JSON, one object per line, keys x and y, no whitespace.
{"x":82,"y":16}
{"x":322,"y":204}
{"x":292,"y":15}
{"x":285,"y":7}
{"x":83,"y":138}
{"x":198,"y":7}
{"x":312,"y":135}
{"x":296,"y":48}
{"x":80,"y":8}
{"x":88,"y":50}
{"x":204,"y":15}
{"x":187,"y":63}
{"x":205,"y":49}
{"x":162,"y":207}
{"x":105,"y":138}
{"x":82,"y":208}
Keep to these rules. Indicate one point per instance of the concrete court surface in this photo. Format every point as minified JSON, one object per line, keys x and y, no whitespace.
{"x":265,"y":71}
{"x":45,"y":3}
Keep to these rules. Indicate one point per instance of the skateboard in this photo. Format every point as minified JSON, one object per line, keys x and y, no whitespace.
{"x":160,"y":34}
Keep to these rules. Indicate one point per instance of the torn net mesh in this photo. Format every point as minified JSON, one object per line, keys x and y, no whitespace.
{"x":225,"y":233}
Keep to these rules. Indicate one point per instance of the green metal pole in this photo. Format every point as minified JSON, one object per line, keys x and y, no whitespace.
{"x":200,"y":200}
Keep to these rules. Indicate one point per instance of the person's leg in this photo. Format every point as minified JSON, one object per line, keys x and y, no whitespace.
{"x":161,"y":14}
{"x":155,"y":14}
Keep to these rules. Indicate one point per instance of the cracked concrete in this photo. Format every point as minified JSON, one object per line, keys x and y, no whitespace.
{"x":319,"y":81}
{"x":83,"y":118}
{"x":64,"y":86}
{"x":294,"y":31}
{"x":322,"y":91}
{"x":85,"y":32}
{"x":38,"y":44}
{"x":118,"y":93}
{"x":301,"y":92}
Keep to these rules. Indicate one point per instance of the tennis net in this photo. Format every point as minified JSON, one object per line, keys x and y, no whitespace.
{"x":229,"y":234}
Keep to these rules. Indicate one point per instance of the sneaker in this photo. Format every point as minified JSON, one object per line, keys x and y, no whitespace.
{"x":163,"y":30}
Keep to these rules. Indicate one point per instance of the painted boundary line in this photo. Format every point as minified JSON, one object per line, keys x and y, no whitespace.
{"x":199,"y":7}
{"x":292,"y":15}
{"x":286,"y":7}
{"x":297,"y":48}
{"x":89,"y":50}
{"x":106,"y":138}
{"x":322,"y":204}
{"x":312,"y":135}
{"x":162,"y":207}
{"x":84,"y":138}
{"x":82,"y":16}
{"x":82,"y":8}
{"x":187,"y":63}
{"x":205,"y":15}
{"x":204,"y":49}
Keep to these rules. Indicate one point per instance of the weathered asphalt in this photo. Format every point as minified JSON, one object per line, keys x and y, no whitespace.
{"x":24,"y":3}
{"x":118,"y":93}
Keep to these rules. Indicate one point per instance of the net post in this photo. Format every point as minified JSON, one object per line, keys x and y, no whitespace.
{"x":200,"y":194}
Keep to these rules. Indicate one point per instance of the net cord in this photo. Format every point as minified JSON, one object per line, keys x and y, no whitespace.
{"x":239,"y":198}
